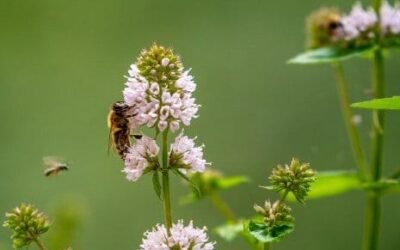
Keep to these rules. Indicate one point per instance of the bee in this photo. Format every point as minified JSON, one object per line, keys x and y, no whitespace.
{"x":119,"y":125}
{"x":324,"y":26}
{"x":53,"y":166}
{"x":334,"y":25}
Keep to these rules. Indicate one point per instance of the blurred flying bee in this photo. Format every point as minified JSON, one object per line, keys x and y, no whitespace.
{"x":324,"y":26}
{"x":335,"y":26}
{"x":119,"y":124}
{"x":54,"y":166}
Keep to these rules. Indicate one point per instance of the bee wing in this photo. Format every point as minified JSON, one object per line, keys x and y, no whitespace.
{"x":109,"y":141}
{"x":51,"y":161}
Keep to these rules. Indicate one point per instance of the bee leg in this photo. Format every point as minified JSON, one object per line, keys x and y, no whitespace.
{"x":132,"y":115}
{"x":137,"y":136}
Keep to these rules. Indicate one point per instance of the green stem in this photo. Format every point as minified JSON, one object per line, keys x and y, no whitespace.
{"x":283,"y":198}
{"x":378,"y":125}
{"x":165,"y":183}
{"x":223,"y":207}
{"x":268,"y":246}
{"x":351,"y":128}
{"x":377,"y":5}
{"x":230,"y":216}
{"x":38,"y":242}
{"x":373,"y":213}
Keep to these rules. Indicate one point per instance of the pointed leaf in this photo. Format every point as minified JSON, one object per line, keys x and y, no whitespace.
{"x":395,"y":188}
{"x":330,"y":54}
{"x":229,"y":182}
{"x":392,"y":43}
{"x":392,"y":103}
{"x":156,"y":184}
{"x":263,"y":233}
{"x":332,"y":183}
{"x":267,"y":187}
{"x":230,"y":231}
{"x":384,"y":185}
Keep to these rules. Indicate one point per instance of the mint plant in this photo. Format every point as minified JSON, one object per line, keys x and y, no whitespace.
{"x":368,"y":33}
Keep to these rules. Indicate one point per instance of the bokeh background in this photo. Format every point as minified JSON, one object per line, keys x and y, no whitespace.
{"x":62,"y":64}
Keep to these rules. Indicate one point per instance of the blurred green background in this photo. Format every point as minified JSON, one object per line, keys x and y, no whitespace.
{"x":62,"y":64}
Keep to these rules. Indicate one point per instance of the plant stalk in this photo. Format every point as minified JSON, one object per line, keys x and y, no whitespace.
{"x":372,"y":229}
{"x":165,"y":183}
{"x":284,"y":195}
{"x":373,"y":213}
{"x":268,"y":246}
{"x":38,"y":242}
{"x":351,"y":128}
{"x":223,"y":207}
{"x":230,"y":216}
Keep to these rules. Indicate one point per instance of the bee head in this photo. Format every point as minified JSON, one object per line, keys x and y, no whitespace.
{"x":120,"y":107}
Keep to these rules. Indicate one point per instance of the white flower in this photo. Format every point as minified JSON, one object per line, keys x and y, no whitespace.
{"x":154,"y":89}
{"x":186,"y":82}
{"x":136,"y":87}
{"x":358,"y":22}
{"x":139,"y":157}
{"x":168,"y":106}
{"x":184,"y":154}
{"x":182,"y":237}
{"x":390,"y":19}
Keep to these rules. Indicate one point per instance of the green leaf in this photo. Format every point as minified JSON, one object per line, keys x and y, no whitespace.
{"x":394,"y":188}
{"x":230,"y":231}
{"x":330,"y":54}
{"x":392,"y":43}
{"x":209,"y":182}
{"x":267,"y":187}
{"x":188,"y":199}
{"x":384,"y":185}
{"x":263,"y":233}
{"x":332,"y":183}
{"x":156,"y":184}
{"x":392,"y":103}
{"x":229,"y":182}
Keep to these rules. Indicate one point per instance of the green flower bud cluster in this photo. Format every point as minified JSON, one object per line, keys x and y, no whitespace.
{"x":278,"y":221}
{"x":295,"y":178}
{"x":27,"y":224}
{"x":275,"y":214}
{"x":159,"y":64}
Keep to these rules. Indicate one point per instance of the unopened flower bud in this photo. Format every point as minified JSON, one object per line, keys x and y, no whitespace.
{"x":159,"y":58}
{"x":27,"y":224}
{"x":296,"y":178}
{"x":275,"y":214}
{"x":165,"y":62}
